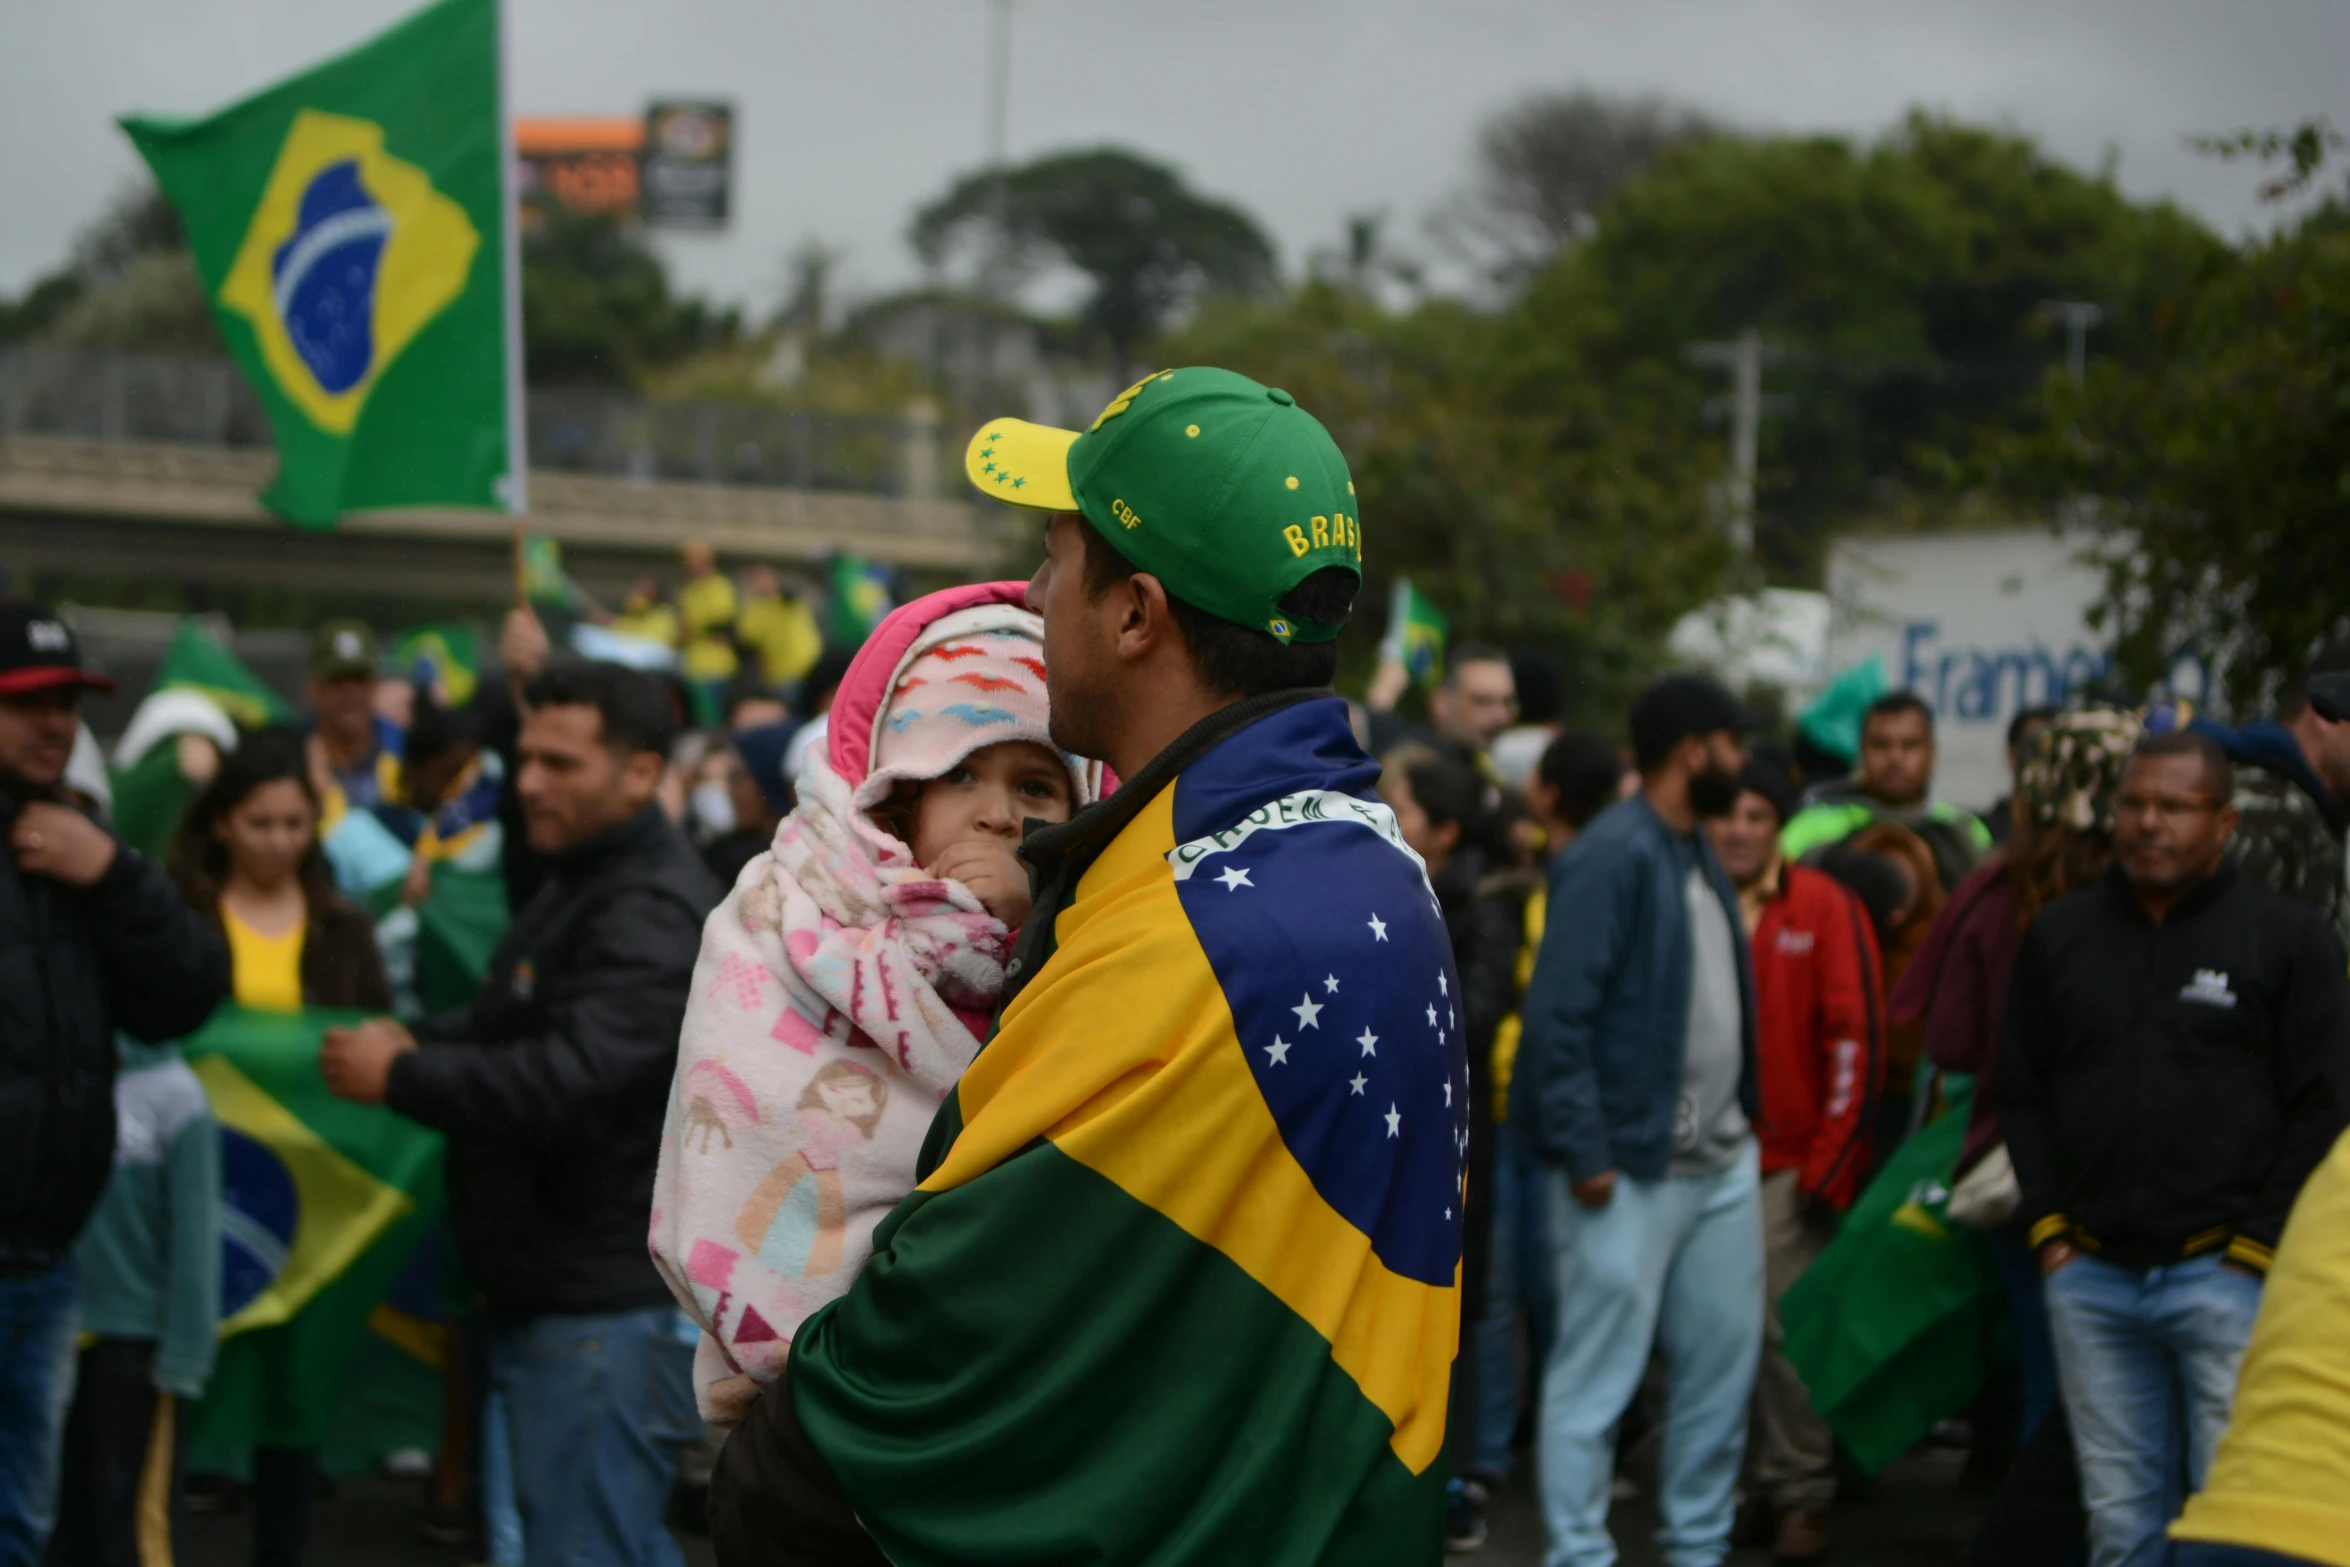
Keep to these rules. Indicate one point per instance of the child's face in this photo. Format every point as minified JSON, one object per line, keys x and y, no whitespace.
{"x":988,"y":795}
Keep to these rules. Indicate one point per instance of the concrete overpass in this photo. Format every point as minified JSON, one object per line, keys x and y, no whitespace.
{"x":129,"y":466}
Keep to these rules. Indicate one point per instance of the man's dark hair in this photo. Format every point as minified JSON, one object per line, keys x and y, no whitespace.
{"x":1895,"y":702}
{"x":636,"y":709}
{"x":1444,"y":789}
{"x":2218,"y":772}
{"x":1586,"y":771}
{"x":1461,"y":653}
{"x":434,"y":729}
{"x":1541,"y":678}
{"x":1233,"y":659}
{"x":2025,"y":719}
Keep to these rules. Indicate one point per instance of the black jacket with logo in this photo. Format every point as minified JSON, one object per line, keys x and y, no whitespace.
{"x":2166,"y":1088}
{"x":77,"y":963}
{"x":552,"y":1085}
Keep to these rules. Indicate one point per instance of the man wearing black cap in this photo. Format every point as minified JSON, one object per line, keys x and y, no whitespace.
{"x":1636,"y":1084}
{"x":1819,"y":1045}
{"x":92,"y":939}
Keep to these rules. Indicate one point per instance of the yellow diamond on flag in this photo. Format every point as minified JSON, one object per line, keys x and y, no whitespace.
{"x":350,"y":254}
{"x":294,"y":1212}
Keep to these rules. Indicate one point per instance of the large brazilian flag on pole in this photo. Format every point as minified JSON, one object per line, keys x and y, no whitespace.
{"x":354,"y":227}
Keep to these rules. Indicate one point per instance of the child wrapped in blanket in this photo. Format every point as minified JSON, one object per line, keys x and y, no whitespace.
{"x":848,"y":979}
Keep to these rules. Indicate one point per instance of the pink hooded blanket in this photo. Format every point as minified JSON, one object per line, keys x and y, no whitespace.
{"x":840,"y":991}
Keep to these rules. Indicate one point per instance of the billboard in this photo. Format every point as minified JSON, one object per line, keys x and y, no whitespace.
{"x":587,"y":166}
{"x":688,"y":164}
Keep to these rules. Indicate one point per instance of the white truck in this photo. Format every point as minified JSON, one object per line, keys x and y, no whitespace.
{"x":1982,"y":625}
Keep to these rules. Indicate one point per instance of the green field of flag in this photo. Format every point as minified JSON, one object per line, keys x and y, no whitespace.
{"x":151,"y":794}
{"x":324,"y":1203}
{"x":860,"y":598}
{"x":447,"y":656}
{"x":1891,"y":1327}
{"x":352,"y":229}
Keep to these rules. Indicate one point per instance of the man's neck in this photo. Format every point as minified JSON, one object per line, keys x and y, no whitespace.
{"x":1668,"y":796}
{"x":1891,"y":804}
{"x":344,"y":753}
{"x":1159,"y":724}
{"x":2160,"y":902}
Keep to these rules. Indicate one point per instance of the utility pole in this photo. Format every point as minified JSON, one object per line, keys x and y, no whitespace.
{"x":2078,"y":316}
{"x":1744,"y":357}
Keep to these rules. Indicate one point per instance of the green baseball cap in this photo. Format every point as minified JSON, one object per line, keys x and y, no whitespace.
{"x":1222,"y":488}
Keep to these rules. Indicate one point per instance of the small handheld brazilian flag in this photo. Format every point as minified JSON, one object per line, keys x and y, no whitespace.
{"x":354,"y":229}
{"x":1416,"y":630}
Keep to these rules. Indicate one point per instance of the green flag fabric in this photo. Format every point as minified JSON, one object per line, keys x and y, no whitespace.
{"x":447,"y":657}
{"x":860,"y":597}
{"x":459,"y":924}
{"x":1891,"y":1327}
{"x":349,"y":225}
{"x":198,"y":662}
{"x":324,"y":1203}
{"x":150,"y":796}
{"x":544,"y":581}
{"x":1416,"y":632}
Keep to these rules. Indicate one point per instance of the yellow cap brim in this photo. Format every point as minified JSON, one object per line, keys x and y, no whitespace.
{"x":1022,"y":464}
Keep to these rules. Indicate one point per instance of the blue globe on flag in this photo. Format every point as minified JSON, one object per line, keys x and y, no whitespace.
{"x":324,"y":277}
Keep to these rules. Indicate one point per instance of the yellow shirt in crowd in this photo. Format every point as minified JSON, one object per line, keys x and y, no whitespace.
{"x":706,"y":605}
{"x":783,"y":633}
{"x":267,"y":969}
{"x":2281,"y":1479}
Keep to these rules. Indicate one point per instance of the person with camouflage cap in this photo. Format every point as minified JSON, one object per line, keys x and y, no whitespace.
{"x":2293,"y":792}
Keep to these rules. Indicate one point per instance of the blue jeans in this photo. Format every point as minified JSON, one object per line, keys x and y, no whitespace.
{"x":2148,"y":1366}
{"x":1518,"y":1280}
{"x":597,"y":1410}
{"x":1677,"y":1265}
{"x":37,"y":1325}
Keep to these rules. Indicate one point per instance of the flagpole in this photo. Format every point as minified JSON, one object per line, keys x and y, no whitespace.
{"x":517,"y":445}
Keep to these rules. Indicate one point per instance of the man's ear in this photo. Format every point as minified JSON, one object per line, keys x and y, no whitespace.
{"x":1145,"y":619}
{"x":640,"y":775}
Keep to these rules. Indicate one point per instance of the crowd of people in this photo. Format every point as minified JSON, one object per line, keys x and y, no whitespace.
{"x":886,"y":1117}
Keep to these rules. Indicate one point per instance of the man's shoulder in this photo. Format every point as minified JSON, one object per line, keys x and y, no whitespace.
{"x":660,"y":871}
{"x":1811,"y":897}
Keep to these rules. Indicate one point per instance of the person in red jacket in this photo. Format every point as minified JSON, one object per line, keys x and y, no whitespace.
{"x":1819,"y":1008}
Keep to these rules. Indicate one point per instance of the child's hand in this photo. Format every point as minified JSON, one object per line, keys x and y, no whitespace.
{"x":993,"y":873}
{"x":731,"y":1400}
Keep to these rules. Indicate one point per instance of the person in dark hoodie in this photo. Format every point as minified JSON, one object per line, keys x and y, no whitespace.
{"x":2293,"y":794}
{"x":92,"y":939}
{"x":2175,"y":1064}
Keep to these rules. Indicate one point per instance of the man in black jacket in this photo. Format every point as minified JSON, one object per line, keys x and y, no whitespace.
{"x":92,"y":939}
{"x":551,"y":1087}
{"x":2176,"y":1060}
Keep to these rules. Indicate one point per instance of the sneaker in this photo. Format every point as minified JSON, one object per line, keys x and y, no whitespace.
{"x":1464,"y":1521}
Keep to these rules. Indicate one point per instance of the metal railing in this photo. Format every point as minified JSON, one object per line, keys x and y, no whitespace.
{"x":46,"y":389}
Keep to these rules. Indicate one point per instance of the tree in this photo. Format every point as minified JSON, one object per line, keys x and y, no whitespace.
{"x":1146,"y":241}
{"x":1906,"y":281}
{"x":1547,"y":164}
{"x":597,"y":307}
{"x":2215,"y":468}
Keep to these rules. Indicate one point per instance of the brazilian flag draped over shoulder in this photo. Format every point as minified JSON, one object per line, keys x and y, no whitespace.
{"x":1181,"y":1281}
{"x":350,"y":227}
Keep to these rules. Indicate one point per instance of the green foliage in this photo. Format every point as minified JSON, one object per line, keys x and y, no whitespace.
{"x":155,"y":305}
{"x":1905,"y":282}
{"x":1148,"y":243}
{"x":2220,"y":467}
{"x":597,"y":307}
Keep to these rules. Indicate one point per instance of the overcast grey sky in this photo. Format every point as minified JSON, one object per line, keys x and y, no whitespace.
{"x":1301,"y":110}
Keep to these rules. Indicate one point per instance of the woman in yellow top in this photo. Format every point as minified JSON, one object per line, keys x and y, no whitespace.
{"x":247,"y":855}
{"x":2279,"y":1489}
